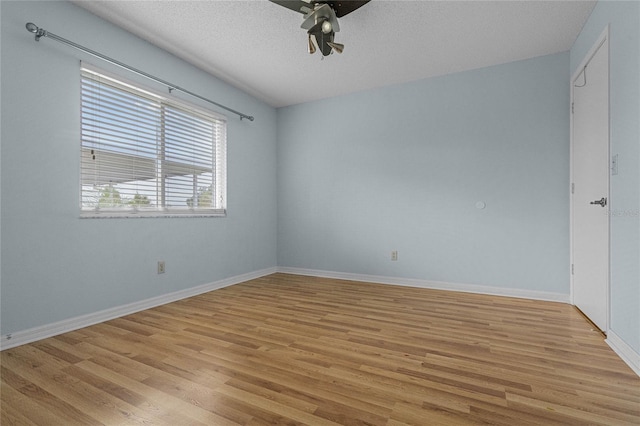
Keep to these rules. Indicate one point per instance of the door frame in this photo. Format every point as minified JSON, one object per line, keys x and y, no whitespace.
{"x":603,"y":38}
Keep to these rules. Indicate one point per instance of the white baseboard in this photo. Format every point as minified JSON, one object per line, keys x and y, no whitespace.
{"x":18,"y":338}
{"x":436,"y":285}
{"x":624,"y":351}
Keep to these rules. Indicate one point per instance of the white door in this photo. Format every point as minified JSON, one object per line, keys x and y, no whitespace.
{"x":590,"y":185}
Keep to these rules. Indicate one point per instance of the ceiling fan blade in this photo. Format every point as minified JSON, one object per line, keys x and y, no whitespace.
{"x":344,"y":7}
{"x":295,"y":5}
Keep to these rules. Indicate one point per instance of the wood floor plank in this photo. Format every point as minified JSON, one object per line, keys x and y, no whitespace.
{"x":18,"y":409}
{"x":294,"y":350}
{"x":57,"y":408}
{"x":164,"y":408}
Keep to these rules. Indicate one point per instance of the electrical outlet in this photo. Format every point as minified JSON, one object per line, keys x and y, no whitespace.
{"x":394,"y":255}
{"x":161,"y":267}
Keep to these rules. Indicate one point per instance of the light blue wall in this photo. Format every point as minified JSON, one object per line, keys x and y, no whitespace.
{"x":402,"y":168}
{"x":56,"y":266}
{"x":624,"y":54}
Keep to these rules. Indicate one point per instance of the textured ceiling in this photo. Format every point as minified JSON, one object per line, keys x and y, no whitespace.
{"x":260,"y":48}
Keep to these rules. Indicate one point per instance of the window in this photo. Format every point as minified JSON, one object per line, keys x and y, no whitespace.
{"x":144,"y":154}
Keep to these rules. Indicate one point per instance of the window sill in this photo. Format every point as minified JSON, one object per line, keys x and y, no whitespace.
{"x":151,"y":214}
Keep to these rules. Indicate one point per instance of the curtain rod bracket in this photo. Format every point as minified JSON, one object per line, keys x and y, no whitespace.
{"x":41,"y":32}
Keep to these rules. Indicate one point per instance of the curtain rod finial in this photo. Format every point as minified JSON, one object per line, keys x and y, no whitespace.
{"x":31,"y":27}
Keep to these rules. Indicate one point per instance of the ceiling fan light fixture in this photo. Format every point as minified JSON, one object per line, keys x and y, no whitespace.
{"x":338,"y":47}
{"x":311,"y":48}
{"x":327,"y":27}
{"x":321,"y":21}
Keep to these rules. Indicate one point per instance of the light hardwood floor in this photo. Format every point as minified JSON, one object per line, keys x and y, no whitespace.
{"x":286,"y":349}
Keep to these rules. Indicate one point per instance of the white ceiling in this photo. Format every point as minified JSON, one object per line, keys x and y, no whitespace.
{"x":260,"y":48}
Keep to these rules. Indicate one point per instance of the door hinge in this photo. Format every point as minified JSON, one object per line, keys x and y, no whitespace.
{"x":572,"y":269}
{"x":572,"y":107}
{"x":573,"y":188}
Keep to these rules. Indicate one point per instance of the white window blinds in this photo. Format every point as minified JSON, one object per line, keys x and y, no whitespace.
{"x":148,"y":154}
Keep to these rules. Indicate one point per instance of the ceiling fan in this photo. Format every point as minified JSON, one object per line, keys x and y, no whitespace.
{"x":321,"y":20}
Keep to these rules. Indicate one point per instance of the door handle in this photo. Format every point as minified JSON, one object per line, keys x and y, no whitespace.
{"x":602,"y":201}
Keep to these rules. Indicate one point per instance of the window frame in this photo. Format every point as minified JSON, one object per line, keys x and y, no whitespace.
{"x":218,"y":187}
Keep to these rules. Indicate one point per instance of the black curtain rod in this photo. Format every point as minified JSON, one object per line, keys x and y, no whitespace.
{"x":40,"y":32}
